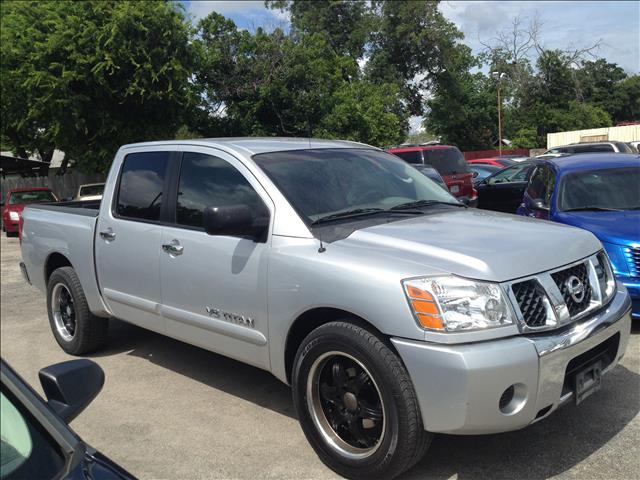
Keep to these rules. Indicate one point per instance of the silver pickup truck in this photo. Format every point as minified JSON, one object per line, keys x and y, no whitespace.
{"x":391,"y":309}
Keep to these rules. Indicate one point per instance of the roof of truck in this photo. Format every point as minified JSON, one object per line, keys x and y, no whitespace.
{"x":255,"y":145}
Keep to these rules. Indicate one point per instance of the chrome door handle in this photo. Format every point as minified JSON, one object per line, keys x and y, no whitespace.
{"x":108,"y":235}
{"x":173,"y":248}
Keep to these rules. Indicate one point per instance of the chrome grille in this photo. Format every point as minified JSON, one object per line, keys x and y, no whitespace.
{"x":544,"y":301}
{"x":632,"y":254}
{"x":563,"y":279}
{"x":530,"y":297}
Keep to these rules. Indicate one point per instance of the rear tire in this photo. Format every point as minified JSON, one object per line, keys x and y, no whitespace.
{"x":74,"y":327}
{"x":11,"y":234}
{"x":356,"y":403}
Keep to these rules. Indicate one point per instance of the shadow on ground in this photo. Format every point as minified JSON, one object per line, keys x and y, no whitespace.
{"x":539,"y":451}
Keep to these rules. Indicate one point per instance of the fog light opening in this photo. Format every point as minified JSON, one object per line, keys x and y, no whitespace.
{"x":513,"y":399}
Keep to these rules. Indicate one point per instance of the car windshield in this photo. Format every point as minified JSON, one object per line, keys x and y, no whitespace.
{"x":613,"y":188}
{"x":447,"y":161}
{"x":323,"y":182}
{"x":87,"y":190}
{"x":32,"y":196}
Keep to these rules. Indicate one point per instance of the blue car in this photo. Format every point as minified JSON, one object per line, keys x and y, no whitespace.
{"x":597,"y":192}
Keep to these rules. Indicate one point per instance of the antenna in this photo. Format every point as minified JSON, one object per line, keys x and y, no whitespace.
{"x":321,"y":249}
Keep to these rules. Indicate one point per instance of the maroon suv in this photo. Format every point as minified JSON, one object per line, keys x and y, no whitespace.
{"x":449,"y":162}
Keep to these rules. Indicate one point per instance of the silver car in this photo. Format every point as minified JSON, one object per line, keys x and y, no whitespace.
{"x":392,"y":310}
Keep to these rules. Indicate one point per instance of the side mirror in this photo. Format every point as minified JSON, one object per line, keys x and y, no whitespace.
{"x":233,"y":220}
{"x":71,"y":386}
{"x":538,"y":204}
{"x":475,"y":174}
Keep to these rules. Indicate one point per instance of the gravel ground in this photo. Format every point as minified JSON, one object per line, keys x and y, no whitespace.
{"x":170,"y":410}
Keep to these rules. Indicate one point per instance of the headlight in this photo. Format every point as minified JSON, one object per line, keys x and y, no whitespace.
{"x":454,"y":304}
{"x":606,"y":279}
{"x":14,"y":216}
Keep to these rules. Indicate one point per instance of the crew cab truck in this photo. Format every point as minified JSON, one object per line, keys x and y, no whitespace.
{"x":393,"y":310}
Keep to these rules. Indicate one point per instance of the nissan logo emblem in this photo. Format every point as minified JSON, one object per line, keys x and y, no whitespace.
{"x":576,"y":289}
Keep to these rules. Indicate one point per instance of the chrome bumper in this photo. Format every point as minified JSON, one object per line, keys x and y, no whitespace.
{"x":459,"y":387}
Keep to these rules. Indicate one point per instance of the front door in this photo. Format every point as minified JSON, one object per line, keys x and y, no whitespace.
{"x":503,"y":191}
{"x":214,"y":288}
{"x":128,"y":239}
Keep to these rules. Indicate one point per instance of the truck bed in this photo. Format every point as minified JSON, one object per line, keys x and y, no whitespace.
{"x":64,"y":229}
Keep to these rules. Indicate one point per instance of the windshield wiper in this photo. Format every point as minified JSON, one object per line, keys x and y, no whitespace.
{"x":425,"y":203}
{"x":359,"y":212}
{"x":593,"y":208}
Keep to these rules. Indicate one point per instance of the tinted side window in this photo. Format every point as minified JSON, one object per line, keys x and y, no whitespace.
{"x":593,"y":148}
{"x":141,"y":185}
{"x":541,"y":185}
{"x":207,"y":181}
{"x":410,"y":157}
{"x":515,"y":173}
{"x":28,"y":451}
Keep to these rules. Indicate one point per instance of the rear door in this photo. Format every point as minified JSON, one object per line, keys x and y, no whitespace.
{"x":503,"y":191}
{"x":129,"y":237}
{"x":214,"y":288}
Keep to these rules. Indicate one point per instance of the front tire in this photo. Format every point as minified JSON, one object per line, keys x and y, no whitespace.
{"x":74,"y":327}
{"x":356,"y":403}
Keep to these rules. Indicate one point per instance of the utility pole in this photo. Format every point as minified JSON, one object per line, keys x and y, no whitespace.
{"x":499,"y":76}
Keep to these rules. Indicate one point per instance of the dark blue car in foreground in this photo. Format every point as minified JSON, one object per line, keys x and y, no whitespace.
{"x":597,"y":192}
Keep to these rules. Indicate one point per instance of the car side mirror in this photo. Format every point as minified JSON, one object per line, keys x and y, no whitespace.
{"x":71,"y":386}
{"x":233,"y":220}
{"x":475,"y":174}
{"x":538,"y":204}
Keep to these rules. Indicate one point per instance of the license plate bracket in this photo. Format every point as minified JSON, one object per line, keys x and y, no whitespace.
{"x":587,"y":381}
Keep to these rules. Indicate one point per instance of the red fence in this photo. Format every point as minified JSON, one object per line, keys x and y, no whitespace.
{"x":494,"y":153}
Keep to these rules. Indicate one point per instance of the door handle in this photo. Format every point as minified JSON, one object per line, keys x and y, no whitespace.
{"x":108,"y":235}
{"x":173,"y":248}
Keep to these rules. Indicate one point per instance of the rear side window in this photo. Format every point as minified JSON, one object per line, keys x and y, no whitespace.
{"x":140,"y":192}
{"x":593,"y":148}
{"x":208,"y":181}
{"x":409,"y":157}
{"x":447,"y":161}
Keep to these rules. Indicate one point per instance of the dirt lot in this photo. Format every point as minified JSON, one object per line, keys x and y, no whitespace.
{"x":170,"y":410}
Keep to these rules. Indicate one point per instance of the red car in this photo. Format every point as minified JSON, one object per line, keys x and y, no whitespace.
{"x":495,"y":161}
{"x":449,"y":162}
{"x":16,"y":200}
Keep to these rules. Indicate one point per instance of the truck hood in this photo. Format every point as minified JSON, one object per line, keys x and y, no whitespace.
{"x":620,"y":228}
{"x":474,"y":244}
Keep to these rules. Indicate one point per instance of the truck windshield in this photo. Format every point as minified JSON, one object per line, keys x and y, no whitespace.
{"x":323,"y":182}
{"x":607,"y":189}
{"x":33,"y":196}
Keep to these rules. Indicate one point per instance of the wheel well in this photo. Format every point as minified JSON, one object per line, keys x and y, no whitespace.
{"x":55,"y":261}
{"x":312,"y":319}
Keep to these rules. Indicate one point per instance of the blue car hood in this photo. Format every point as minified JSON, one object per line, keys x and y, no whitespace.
{"x":620,"y":228}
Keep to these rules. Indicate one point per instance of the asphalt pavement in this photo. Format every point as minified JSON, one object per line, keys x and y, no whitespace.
{"x":169,"y":410}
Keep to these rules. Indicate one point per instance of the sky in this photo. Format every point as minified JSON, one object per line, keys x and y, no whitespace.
{"x":566,"y":24}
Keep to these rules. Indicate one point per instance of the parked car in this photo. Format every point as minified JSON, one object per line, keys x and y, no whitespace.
{"x":393,"y":310}
{"x":449,"y":162}
{"x":90,"y":191}
{"x":15,"y":201}
{"x":592,"y":147}
{"x":503,"y":190}
{"x":36,"y":439}
{"x":494,"y":161}
{"x":481,"y":171}
{"x":600,"y":193}
{"x":433,"y":174}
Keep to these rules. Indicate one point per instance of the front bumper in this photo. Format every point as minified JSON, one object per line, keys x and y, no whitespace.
{"x":633,"y":287}
{"x":459,"y":387}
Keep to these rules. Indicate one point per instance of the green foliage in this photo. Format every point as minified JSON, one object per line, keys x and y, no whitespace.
{"x":525,"y":138}
{"x":86,"y":77}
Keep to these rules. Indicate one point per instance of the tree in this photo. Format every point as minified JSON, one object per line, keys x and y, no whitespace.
{"x":297,"y":84}
{"x":86,"y":77}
